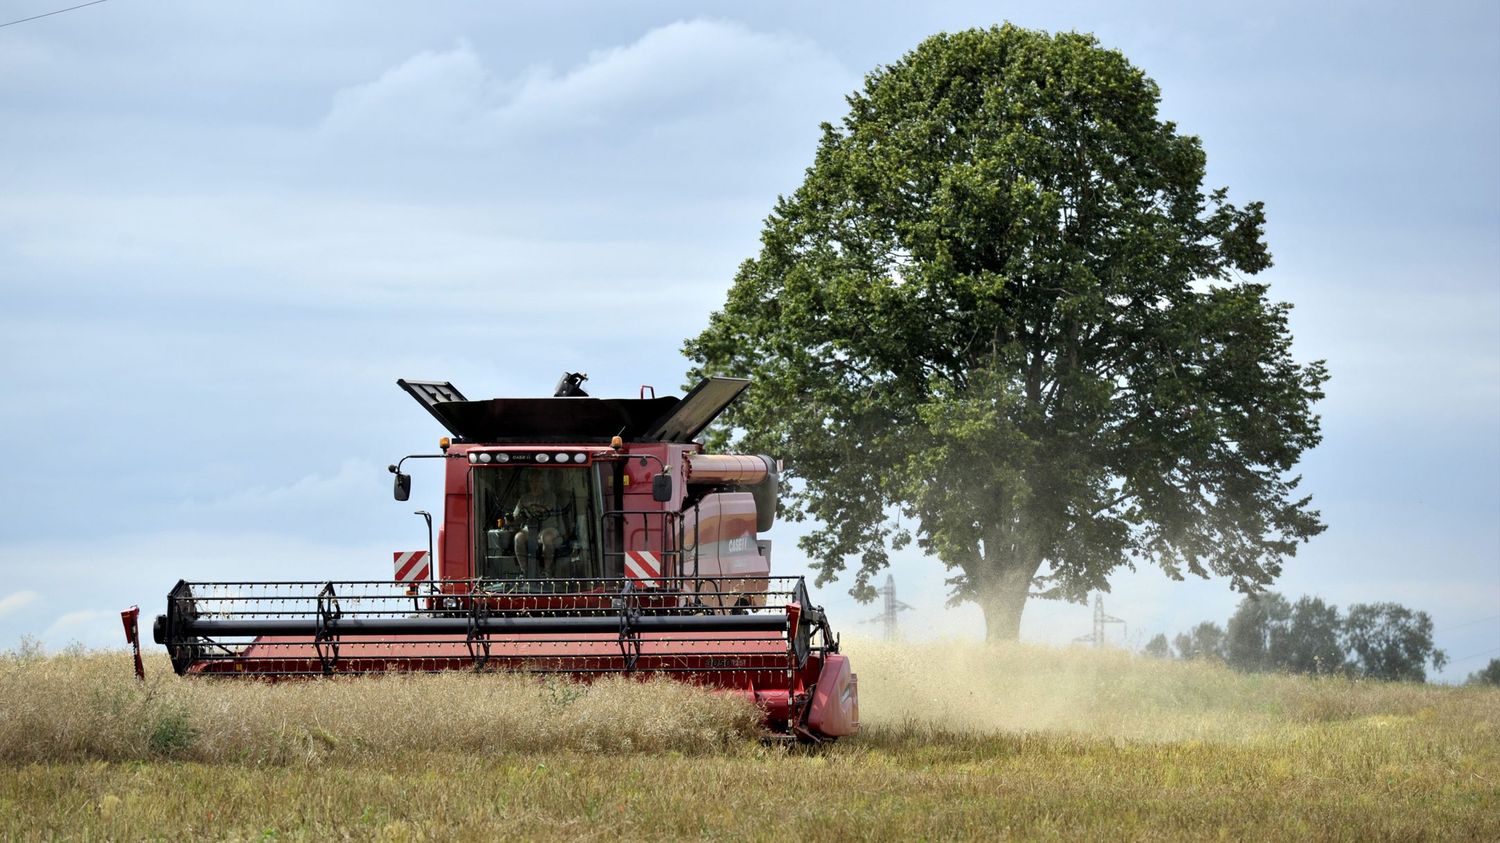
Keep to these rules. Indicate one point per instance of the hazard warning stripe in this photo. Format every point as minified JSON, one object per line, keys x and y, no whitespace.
{"x":642,"y":565}
{"x":411,"y":565}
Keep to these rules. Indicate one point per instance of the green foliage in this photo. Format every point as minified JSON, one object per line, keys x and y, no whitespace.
{"x":1267,"y":633}
{"x":1257,"y":635}
{"x":171,"y":732}
{"x":1490,"y":675}
{"x":1001,"y":317}
{"x":1206,"y":641}
{"x":1158,"y":648}
{"x":1314,"y":642}
{"x":1390,"y":641}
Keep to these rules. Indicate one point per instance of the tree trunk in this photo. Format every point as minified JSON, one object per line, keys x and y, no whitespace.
{"x":1005,"y":599}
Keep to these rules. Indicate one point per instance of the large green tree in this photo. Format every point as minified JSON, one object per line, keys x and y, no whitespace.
{"x":1314,"y":642}
{"x":1258,"y":634}
{"x":1003,"y":317}
{"x":1267,"y":633}
{"x":1390,"y":641}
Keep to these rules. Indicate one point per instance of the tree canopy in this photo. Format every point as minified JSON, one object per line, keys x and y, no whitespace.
{"x":1157,"y":647}
{"x":1257,"y":635}
{"x":1204,"y":641}
{"x":1390,"y":641}
{"x":1267,"y":633}
{"x":1002,"y":317}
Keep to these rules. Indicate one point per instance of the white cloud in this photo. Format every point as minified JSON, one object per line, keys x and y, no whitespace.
{"x":637,"y":175}
{"x":15,"y":602}
{"x":430,"y":95}
{"x":685,"y":71}
{"x":94,"y":628}
{"x":673,"y":72}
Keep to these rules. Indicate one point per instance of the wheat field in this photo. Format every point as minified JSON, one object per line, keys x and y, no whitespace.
{"x":961,"y":741}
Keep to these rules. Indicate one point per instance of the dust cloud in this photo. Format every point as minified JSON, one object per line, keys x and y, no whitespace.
{"x":974,"y":686}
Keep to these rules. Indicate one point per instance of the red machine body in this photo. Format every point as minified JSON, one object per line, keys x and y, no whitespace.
{"x":565,"y":547}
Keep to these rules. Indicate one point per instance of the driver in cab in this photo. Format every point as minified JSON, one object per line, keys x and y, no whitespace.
{"x":540,"y":511}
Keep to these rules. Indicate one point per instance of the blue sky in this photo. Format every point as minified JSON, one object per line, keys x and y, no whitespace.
{"x":226,"y":229}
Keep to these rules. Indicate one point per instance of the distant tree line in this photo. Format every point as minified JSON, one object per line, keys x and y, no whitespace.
{"x":1489,"y":675}
{"x":1269,"y":634}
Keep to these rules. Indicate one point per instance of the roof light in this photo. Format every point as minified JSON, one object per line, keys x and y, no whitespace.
{"x":562,"y":457}
{"x":580,"y":458}
{"x":542,"y":458}
{"x":484,"y":457}
{"x":473,"y":457}
{"x":502,"y":458}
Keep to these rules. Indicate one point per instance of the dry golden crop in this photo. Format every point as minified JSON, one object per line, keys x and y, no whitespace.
{"x":961,"y":740}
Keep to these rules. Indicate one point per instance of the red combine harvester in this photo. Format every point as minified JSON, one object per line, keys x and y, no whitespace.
{"x":580,"y":536}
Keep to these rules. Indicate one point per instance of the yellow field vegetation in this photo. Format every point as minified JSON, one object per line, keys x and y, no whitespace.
{"x":961,"y":740}
{"x":91,"y":707}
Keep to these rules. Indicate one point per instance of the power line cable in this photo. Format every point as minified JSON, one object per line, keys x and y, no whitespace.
{"x":1476,"y":655}
{"x":50,"y":14}
{"x":1469,"y":623}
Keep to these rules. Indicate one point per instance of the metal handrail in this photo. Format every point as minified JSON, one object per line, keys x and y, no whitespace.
{"x":671,"y":538}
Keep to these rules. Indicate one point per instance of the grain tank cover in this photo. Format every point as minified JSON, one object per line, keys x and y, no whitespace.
{"x":431,"y":393}
{"x":698,"y":410}
{"x":664,"y":419}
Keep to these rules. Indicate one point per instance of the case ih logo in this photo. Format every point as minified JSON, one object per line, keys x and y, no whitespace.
{"x":412,"y":565}
{"x":642,"y":566}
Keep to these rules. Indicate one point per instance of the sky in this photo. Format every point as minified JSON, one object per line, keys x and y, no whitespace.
{"x":227,"y":229}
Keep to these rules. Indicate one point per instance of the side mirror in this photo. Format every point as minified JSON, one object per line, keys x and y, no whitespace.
{"x":661,"y":488}
{"x":403,"y":484}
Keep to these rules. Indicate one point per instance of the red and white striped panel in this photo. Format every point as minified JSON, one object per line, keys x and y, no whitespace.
{"x":643,"y":567}
{"x":412,"y":565}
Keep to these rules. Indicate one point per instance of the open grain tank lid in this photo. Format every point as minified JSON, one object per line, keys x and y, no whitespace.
{"x":665,"y":419}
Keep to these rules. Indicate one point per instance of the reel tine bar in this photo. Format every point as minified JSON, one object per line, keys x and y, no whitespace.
{"x":761,"y":626}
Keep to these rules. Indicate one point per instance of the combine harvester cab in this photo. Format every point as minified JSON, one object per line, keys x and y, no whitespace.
{"x":580,"y":536}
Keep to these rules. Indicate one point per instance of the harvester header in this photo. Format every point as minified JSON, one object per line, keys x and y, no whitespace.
{"x":580,"y":536}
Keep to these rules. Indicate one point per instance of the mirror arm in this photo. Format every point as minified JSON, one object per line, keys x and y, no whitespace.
{"x":403,"y":481}
{"x":396,"y":469}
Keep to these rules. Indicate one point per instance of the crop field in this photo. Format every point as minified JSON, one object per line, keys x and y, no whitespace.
{"x":961,"y":740}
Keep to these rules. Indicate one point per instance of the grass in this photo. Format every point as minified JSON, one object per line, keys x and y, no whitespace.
{"x":960,"y":741}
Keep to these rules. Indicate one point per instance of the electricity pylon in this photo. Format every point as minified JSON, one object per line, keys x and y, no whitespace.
{"x":1100,"y":619}
{"x":892,"y":607}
